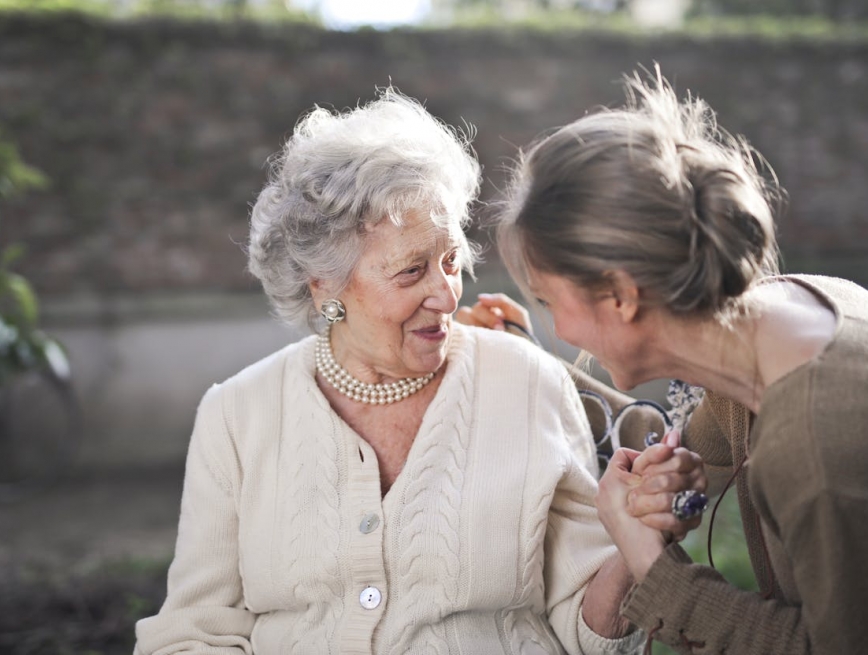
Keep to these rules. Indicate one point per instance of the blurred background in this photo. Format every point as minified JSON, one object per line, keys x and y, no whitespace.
{"x":133,"y":139}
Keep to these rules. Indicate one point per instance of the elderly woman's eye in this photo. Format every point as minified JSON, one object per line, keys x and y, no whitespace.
{"x":542,"y":303}
{"x":413,"y":270}
{"x":452,"y":259}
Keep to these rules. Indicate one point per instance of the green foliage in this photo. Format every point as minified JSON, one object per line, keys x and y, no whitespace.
{"x":484,"y":16}
{"x":698,"y":26}
{"x":23,"y":347}
{"x":837,"y":10}
{"x":16,"y":176}
{"x":273,"y":10}
{"x":88,"y":6}
{"x":777,"y":28}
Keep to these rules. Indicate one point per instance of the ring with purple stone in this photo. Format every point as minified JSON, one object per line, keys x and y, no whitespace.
{"x":689,"y":504}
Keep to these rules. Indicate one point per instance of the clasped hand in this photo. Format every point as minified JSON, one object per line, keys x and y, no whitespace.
{"x":634,"y":500}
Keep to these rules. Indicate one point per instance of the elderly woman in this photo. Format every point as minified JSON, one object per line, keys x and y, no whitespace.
{"x":397,"y":483}
{"x":648,"y":234}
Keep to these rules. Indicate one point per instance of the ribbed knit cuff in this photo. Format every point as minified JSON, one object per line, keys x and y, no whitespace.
{"x":592,"y":643}
{"x":642,"y":602}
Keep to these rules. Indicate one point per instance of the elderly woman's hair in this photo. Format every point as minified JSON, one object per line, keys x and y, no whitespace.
{"x":655,"y":189}
{"x":341,"y":173}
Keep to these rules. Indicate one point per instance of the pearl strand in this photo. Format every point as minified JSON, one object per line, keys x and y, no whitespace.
{"x":354,"y":389}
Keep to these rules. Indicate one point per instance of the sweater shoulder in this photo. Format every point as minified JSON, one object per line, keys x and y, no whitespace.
{"x":514,"y":351}
{"x":256,"y":386}
{"x":268,"y":369}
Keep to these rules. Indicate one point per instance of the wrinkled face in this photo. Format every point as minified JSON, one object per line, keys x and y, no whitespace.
{"x":400,"y":300}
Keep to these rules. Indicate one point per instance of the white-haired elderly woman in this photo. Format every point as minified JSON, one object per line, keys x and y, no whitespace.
{"x":397,"y":483}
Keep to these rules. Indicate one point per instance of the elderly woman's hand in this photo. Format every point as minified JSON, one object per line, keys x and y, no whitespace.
{"x":639,"y":544}
{"x":665,"y":469}
{"x":495,"y":311}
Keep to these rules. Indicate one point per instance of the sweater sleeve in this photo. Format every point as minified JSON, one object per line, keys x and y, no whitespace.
{"x":714,"y":617}
{"x":577,"y":545}
{"x":204,"y":611}
{"x":706,"y":435}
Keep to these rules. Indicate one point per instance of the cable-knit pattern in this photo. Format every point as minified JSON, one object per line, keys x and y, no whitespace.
{"x":524,"y":622}
{"x":521,"y":621}
{"x":429,"y":537}
{"x":309,"y":510}
{"x":277,"y":565}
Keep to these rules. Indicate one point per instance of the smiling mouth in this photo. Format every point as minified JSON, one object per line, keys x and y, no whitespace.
{"x":432,"y":331}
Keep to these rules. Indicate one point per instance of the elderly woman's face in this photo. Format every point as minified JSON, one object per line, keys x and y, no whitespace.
{"x":400,"y":300}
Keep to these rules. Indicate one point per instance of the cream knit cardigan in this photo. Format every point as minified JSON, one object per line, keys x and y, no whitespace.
{"x":484,"y":545}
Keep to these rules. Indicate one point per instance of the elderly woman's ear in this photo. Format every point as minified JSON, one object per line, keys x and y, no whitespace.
{"x":320,"y":291}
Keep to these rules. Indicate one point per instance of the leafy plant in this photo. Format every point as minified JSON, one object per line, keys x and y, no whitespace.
{"x":23,"y":347}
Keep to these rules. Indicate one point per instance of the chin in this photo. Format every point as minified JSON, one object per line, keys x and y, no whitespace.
{"x":425,"y":363}
{"x":623,"y":386}
{"x":622,"y":382}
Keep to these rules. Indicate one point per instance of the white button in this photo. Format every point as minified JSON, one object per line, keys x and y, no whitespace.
{"x":369,"y":523}
{"x":370,"y":598}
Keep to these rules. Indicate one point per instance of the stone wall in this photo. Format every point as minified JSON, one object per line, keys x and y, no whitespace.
{"x":154,"y":136}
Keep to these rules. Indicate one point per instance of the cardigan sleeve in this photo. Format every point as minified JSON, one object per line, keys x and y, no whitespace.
{"x":577,"y":545}
{"x":204,"y":611}
{"x":693,"y":609}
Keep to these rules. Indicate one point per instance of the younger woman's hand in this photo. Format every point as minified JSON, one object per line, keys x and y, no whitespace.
{"x":491,"y":310}
{"x":665,"y":469}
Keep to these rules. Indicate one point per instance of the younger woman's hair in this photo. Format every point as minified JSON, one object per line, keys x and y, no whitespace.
{"x":655,"y":189}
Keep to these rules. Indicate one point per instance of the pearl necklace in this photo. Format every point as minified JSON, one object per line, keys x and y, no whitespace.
{"x":354,"y":389}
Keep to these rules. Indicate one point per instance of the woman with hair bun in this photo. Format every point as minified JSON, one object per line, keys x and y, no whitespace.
{"x":648,"y":233}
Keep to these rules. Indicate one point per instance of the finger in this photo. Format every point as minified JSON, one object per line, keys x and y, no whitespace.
{"x":512,"y":310}
{"x":486,"y":317}
{"x":673,"y":482}
{"x":672,"y":438}
{"x":465,"y":316}
{"x":641,"y":504}
{"x":490,"y":317}
{"x":656,"y":454}
{"x":680,"y":460}
{"x":621,"y":465}
{"x":625,"y":457}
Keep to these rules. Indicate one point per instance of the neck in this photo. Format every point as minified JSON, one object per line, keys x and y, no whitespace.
{"x":358,"y":390}
{"x":705,"y":353}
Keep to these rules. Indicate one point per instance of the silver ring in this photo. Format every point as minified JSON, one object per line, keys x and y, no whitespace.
{"x":689,"y":504}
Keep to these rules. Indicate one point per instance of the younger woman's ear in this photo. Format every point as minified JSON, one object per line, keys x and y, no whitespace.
{"x":626,"y":294}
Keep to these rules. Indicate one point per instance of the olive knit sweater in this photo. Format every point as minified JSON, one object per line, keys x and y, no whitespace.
{"x":803,"y":494}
